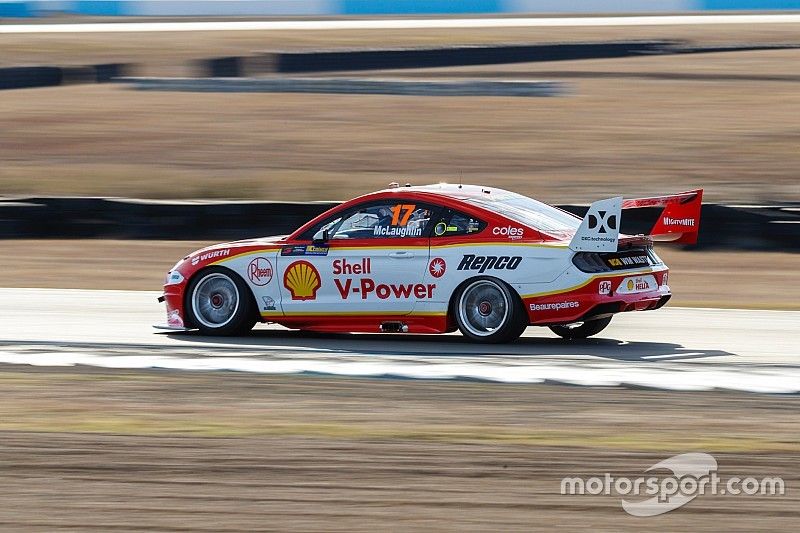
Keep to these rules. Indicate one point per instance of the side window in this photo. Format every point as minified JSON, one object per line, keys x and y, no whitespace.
{"x":380,"y":220}
{"x":454,"y":223}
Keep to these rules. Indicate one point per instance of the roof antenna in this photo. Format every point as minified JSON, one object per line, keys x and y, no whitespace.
{"x":460,"y":177}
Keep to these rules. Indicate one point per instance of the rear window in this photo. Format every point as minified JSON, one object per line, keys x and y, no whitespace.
{"x":530,"y":212}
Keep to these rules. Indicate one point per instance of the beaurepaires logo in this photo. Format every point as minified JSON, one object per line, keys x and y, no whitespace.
{"x":692,"y":475}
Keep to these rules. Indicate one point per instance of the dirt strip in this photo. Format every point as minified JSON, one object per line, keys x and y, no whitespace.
{"x":86,"y":449}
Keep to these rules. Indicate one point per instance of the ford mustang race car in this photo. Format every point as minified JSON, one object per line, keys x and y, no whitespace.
{"x":434,"y":259}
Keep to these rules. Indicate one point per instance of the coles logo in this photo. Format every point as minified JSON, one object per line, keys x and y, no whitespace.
{"x":260,"y":271}
{"x":509,"y":231}
{"x":302,"y":280}
{"x":437,"y":267}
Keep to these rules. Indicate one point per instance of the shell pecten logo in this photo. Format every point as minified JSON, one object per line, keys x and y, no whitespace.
{"x":302,"y":280}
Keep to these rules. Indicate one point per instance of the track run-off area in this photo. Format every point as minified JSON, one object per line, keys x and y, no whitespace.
{"x":671,"y":349}
{"x":402,"y":23}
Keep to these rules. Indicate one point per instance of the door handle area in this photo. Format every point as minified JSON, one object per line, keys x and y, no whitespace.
{"x":401,"y":255}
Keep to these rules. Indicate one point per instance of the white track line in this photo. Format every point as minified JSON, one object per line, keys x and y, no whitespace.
{"x":394,"y":24}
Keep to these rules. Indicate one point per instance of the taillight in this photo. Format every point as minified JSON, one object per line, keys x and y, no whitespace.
{"x":589,"y":262}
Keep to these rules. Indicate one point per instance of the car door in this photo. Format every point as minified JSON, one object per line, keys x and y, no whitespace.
{"x":368,"y":260}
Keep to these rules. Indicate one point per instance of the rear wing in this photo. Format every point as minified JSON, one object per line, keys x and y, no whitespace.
{"x":679,"y":221}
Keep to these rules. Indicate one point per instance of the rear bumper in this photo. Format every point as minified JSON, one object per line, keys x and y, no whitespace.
{"x":601,"y":296}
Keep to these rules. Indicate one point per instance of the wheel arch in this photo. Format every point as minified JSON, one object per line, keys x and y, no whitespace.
{"x":451,"y":306}
{"x":187,"y":295}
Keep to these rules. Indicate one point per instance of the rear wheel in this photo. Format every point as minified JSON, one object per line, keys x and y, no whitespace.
{"x":487,"y":310}
{"x":219,"y":303}
{"x":581,"y":330}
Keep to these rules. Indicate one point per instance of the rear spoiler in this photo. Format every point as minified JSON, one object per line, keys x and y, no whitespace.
{"x":679,"y":221}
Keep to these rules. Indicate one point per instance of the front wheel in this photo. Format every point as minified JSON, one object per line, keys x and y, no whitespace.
{"x":487,"y":310}
{"x":218,"y":303}
{"x":581,"y":330}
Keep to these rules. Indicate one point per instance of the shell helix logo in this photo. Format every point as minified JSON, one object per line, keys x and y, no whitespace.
{"x":302,"y":280}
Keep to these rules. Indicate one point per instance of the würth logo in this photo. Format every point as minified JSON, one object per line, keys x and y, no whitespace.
{"x":604,"y":220}
{"x":679,"y":221}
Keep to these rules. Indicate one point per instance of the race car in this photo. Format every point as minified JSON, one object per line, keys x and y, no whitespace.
{"x":436,"y":259}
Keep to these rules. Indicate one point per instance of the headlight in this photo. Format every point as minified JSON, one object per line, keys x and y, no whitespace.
{"x":173,"y":278}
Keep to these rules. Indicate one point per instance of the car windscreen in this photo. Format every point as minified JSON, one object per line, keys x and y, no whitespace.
{"x":532,"y":213}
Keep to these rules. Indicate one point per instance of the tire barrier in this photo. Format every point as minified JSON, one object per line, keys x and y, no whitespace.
{"x":414,"y":58}
{"x":353,"y":86}
{"x":775,"y":228}
{"x":49,"y":76}
{"x":407,"y":58}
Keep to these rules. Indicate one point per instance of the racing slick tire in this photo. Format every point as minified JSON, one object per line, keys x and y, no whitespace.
{"x":218,"y":302}
{"x":488,"y":311}
{"x":581,"y":330}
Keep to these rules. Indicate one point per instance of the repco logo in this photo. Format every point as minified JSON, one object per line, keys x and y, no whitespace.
{"x":509,"y":231}
{"x":482,"y":263}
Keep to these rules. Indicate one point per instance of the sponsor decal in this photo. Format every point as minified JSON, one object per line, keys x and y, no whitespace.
{"x":302,"y":280}
{"x":667,"y":221}
{"x":637,"y":284}
{"x":440,"y":229}
{"x":293,"y":250}
{"x":555,"y":306}
{"x":437,"y":267}
{"x":397,"y":231}
{"x":347,"y":268}
{"x":316,"y":250}
{"x":511,"y":232}
{"x":603,"y":222}
{"x":604,"y":287}
{"x":482,"y":263}
{"x":269,"y":303}
{"x":365,"y":287}
{"x":627,"y":261}
{"x":214,"y":254}
{"x":174,"y":319}
{"x":173,"y":278}
{"x":260,"y":271}
{"x":596,"y":239}
{"x":311,"y":249}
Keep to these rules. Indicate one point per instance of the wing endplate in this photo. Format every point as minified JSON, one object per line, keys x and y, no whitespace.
{"x":599,"y":230}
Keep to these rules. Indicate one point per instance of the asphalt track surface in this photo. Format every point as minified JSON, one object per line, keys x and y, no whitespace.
{"x":672,"y":348}
{"x":402,"y":23}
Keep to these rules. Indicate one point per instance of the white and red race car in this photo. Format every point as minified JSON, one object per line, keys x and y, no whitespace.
{"x":434,"y":259}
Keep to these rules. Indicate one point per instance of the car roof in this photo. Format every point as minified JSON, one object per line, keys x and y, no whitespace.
{"x":453,"y":190}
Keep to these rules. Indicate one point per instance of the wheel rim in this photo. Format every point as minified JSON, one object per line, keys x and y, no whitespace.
{"x":483,"y":308}
{"x":215,"y":300}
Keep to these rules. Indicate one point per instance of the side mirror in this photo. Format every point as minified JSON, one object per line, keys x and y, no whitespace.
{"x":326,"y":234}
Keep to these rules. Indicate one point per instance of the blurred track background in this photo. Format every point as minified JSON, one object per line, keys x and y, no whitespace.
{"x":131,"y":449}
